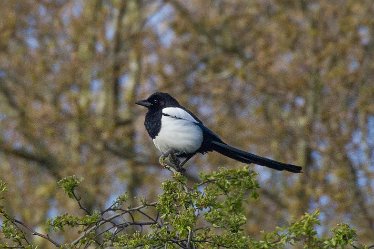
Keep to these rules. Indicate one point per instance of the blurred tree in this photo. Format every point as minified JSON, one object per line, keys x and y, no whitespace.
{"x":295,"y":76}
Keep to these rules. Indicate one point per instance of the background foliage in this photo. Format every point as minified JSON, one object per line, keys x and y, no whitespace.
{"x":291,"y":80}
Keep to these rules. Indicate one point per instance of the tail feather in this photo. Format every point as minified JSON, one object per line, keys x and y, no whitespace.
{"x":246,"y":157}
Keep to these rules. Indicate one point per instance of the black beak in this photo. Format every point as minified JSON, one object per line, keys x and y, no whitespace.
{"x":144,"y":103}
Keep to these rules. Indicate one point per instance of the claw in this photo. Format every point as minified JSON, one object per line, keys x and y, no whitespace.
{"x":171,"y":162}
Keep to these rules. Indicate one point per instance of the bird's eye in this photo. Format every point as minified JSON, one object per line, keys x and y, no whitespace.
{"x":155,"y":101}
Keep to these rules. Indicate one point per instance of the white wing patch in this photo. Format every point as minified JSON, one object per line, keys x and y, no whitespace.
{"x":178,"y":113}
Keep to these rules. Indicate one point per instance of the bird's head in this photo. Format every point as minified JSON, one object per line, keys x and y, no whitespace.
{"x":158,"y":100}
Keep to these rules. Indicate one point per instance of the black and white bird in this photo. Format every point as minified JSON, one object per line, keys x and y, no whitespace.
{"x":176,"y":130}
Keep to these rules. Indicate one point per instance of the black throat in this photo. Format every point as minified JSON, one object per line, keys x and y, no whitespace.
{"x":152,"y":122}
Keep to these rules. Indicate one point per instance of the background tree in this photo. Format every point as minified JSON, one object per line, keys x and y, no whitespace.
{"x":288,"y":80}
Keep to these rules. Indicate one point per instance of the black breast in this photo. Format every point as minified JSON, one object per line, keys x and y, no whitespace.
{"x":152,"y":122}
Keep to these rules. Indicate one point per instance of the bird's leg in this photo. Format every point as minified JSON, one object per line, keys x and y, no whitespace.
{"x":170,"y":161}
{"x":177,"y":165}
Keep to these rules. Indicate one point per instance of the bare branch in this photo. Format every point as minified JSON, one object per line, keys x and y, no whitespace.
{"x":78,"y":199}
{"x":121,"y":225}
{"x":33,"y":232}
{"x":45,"y":161}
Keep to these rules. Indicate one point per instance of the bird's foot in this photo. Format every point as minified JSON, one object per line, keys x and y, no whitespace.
{"x":171,"y":162}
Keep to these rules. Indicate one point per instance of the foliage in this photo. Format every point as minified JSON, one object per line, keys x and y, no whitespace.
{"x":209,"y":214}
{"x":69,"y":184}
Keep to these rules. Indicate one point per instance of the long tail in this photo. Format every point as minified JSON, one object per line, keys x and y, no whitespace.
{"x":246,"y":157}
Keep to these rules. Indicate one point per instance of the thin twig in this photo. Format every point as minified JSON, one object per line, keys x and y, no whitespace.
{"x":114,"y":216}
{"x":33,"y":232}
{"x":78,"y":199}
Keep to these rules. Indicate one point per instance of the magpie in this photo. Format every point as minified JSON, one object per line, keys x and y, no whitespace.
{"x":176,"y":130}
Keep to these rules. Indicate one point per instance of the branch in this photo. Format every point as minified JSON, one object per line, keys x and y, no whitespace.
{"x":44,"y":236}
{"x":78,"y":199}
{"x":44,"y":160}
{"x":122,"y":225}
{"x":10,"y":98}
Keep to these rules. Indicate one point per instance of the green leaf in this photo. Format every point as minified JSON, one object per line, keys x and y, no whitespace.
{"x":69,"y":183}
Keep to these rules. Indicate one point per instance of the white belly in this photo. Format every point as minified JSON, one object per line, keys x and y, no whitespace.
{"x":179,"y":135}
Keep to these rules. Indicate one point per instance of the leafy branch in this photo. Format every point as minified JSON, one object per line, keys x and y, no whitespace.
{"x":209,"y":214}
